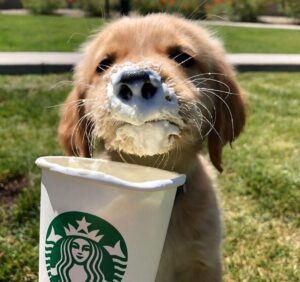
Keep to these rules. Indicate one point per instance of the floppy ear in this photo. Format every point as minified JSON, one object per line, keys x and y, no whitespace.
{"x":230,"y":112}
{"x":73,"y":129}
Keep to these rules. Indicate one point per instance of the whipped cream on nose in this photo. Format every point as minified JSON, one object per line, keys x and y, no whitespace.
{"x":148,"y":108}
{"x":134,"y":105}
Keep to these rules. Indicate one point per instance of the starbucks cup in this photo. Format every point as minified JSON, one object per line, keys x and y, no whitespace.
{"x":103,"y":220}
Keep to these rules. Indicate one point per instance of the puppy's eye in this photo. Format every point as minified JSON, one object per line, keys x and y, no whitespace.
{"x":182,"y":58}
{"x":104,"y":65}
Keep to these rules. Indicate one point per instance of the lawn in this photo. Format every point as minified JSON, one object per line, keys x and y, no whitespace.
{"x":53,"y":33}
{"x":259,"y":189}
{"x":44,"y":33}
{"x":258,"y":40}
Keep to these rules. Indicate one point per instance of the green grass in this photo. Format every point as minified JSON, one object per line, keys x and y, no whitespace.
{"x":27,"y":130}
{"x":54,"y":33}
{"x":261,"y":184}
{"x":44,"y":33}
{"x":258,"y":40}
{"x":259,"y":189}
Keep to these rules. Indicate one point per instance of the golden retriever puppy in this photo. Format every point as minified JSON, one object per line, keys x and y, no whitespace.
{"x":150,"y":90}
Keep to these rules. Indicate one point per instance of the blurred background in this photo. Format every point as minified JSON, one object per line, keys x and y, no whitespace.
{"x":238,"y":10}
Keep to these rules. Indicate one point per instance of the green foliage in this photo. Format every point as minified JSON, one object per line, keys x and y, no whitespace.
{"x":290,"y":7}
{"x":189,"y":9}
{"x":43,"y":6}
{"x":245,"y":10}
{"x":216,"y":10}
{"x":96,"y":8}
{"x":92,"y":7}
{"x":238,"y":10}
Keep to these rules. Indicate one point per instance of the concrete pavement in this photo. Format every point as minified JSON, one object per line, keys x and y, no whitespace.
{"x":37,"y":62}
{"x":253,"y":25}
{"x":265,"y":62}
{"x":57,"y":62}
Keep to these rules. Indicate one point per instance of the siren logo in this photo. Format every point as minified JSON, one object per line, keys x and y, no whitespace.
{"x":82,"y":247}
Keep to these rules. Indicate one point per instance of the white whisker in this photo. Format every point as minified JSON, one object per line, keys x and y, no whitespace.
{"x":228,"y":108}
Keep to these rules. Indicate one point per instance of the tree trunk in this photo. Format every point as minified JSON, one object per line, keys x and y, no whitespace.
{"x":125,"y":7}
{"x":106,"y":9}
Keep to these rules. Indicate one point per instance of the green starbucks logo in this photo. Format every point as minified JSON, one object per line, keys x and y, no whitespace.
{"x":83,"y":247}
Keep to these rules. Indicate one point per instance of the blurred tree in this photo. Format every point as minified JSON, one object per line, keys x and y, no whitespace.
{"x":291,"y":8}
{"x":166,"y":2}
{"x":43,"y":6}
{"x":106,"y":9}
{"x":70,"y":3}
{"x":125,"y":7}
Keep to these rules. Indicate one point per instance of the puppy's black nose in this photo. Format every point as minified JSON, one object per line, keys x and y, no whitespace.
{"x":136,"y":82}
{"x":134,"y":75}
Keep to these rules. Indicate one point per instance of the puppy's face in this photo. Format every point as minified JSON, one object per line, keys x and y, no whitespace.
{"x":153,"y":86}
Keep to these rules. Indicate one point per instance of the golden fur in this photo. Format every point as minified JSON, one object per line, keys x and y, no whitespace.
{"x":211,"y":108}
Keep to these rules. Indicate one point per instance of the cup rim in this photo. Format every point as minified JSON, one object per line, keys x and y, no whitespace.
{"x":174,"y":180}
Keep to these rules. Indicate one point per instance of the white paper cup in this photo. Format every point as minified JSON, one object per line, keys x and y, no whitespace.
{"x":102,"y":220}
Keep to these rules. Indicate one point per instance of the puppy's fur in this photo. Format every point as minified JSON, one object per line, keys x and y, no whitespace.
{"x":210,"y":107}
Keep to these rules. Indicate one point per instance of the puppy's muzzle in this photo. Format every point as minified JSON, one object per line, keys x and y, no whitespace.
{"x":137,"y":95}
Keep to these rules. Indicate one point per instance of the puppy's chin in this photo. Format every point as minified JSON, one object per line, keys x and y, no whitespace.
{"x":150,"y":138}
